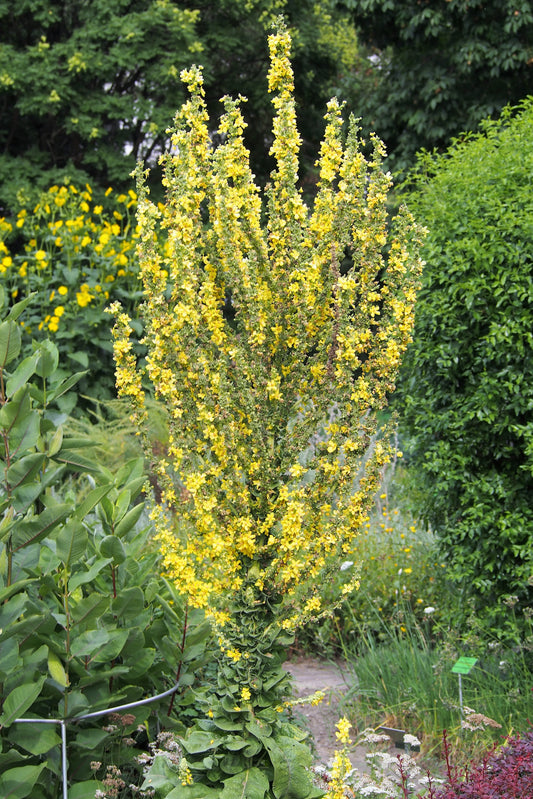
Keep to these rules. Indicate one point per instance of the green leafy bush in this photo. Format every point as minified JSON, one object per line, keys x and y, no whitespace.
{"x":86,"y":623}
{"x":467,"y":382}
{"x":76,"y":256}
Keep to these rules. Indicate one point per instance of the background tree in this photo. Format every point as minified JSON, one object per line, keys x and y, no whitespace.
{"x":467,"y":381}
{"x":86,"y":89}
{"x":439,"y":67}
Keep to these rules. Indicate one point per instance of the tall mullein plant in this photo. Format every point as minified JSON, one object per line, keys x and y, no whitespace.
{"x":274,"y":332}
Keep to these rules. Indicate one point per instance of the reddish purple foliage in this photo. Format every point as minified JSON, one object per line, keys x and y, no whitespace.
{"x":506,"y":774}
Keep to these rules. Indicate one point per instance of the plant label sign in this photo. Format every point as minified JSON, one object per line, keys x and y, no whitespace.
{"x":464,"y":665}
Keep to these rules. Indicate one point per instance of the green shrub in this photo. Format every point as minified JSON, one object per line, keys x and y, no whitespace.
{"x":76,"y":256}
{"x":467,"y":382}
{"x":86,"y":622}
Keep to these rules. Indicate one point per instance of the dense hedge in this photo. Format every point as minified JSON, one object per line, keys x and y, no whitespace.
{"x":467,"y":385}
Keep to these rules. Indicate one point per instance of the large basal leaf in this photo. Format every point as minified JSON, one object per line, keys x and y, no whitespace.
{"x":199,"y":741}
{"x":193,"y":792}
{"x":19,"y":700}
{"x":291,"y":761}
{"x":249,"y":784}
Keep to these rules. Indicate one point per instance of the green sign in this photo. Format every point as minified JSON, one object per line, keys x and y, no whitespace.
{"x":464,"y":665}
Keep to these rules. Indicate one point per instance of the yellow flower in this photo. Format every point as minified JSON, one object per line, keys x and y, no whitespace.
{"x":343,"y":731}
{"x":40,"y":255}
{"x":62,"y":290}
{"x":59,"y":311}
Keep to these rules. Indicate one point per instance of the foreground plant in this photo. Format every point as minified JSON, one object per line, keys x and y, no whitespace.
{"x":86,"y":622}
{"x":273,"y":343}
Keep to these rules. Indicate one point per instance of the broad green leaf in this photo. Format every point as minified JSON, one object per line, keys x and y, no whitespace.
{"x":86,"y":789}
{"x":129,"y":521}
{"x":249,"y":784}
{"x":112,"y":547}
{"x":193,"y":792}
{"x":121,"y":505}
{"x":17,"y":783}
{"x":227,"y":726}
{"x":11,"y":609}
{"x":35,"y":738}
{"x":48,"y":359}
{"x":25,"y":495}
{"x":14,"y":588}
{"x":10,"y":339}
{"x":88,"y":609}
{"x":56,"y":669}
{"x":89,"y":739}
{"x":71,"y":542}
{"x":84,"y":577}
{"x":30,"y":531}
{"x":129,"y":603}
{"x":99,"y":645}
{"x":91,"y":500}
{"x":25,"y":469}
{"x":19,"y":700}
{"x":199,"y":741}
{"x":21,"y":375}
{"x":291,"y":761}
{"x":76,"y":461}
{"x":141,"y":663}
{"x":89,"y":642}
{"x":54,"y":444}
{"x":9,"y":657}
{"x":65,"y":385}
{"x":25,"y":431}
{"x":16,"y":310}
{"x":113,"y":648}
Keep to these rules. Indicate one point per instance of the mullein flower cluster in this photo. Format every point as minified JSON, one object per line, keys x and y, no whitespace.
{"x":272,"y":346}
{"x":273,"y":334}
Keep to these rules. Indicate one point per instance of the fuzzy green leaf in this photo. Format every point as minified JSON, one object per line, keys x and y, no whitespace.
{"x":249,"y":784}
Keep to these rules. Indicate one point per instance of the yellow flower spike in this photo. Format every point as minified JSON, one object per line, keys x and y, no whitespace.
{"x":343,"y":731}
{"x":250,"y":328}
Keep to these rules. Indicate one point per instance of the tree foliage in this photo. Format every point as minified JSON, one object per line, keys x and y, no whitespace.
{"x":467,"y":383}
{"x":442,"y":67}
{"x":86,"y":89}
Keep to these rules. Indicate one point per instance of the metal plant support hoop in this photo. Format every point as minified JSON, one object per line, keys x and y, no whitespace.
{"x":63,"y":724}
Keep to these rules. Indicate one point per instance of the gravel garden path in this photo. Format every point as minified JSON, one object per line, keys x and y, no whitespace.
{"x":312,"y":675}
{"x":315,"y":675}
